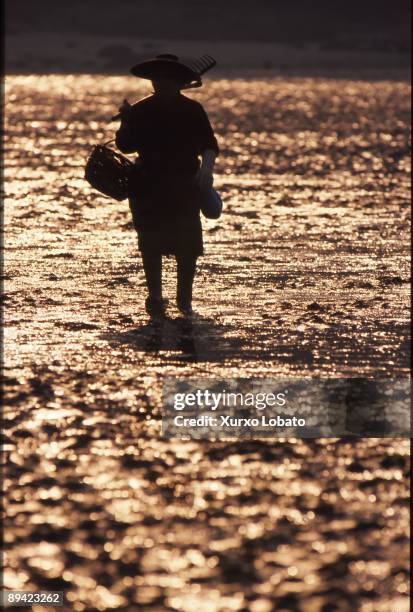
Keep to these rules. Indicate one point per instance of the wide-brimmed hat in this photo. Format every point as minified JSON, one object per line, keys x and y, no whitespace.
{"x":165,"y":65}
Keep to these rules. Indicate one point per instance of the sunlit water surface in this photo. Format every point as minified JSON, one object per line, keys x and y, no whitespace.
{"x":305,"y":274}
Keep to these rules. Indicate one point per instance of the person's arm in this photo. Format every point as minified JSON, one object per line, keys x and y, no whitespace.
{"x":208,"y":149}
{"x":125,"y":136}
{"x":204,"y":175}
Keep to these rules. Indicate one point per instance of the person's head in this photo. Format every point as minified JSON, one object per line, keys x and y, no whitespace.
{"x":166,"y":86}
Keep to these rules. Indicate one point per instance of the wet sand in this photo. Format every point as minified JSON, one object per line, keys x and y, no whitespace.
{"x":306,"y":274}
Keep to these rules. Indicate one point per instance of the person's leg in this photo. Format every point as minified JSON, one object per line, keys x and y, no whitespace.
{"x":186,"y":267}
{"x":152,"y":265}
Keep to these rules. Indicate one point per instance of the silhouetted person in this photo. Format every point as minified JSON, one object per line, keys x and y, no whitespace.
{"x":169,"y":132}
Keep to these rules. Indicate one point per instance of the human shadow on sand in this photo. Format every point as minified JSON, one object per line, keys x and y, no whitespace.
{"x":194,"y":338}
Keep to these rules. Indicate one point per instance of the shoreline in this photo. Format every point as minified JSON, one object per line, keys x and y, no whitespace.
{"x":114,"y":55}
{"x":383,"y":75}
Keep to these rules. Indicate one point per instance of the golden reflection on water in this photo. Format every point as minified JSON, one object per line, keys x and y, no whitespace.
{"x":305,"y":274}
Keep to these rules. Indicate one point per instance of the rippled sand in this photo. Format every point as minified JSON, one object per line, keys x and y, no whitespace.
{"x":305,"y":274}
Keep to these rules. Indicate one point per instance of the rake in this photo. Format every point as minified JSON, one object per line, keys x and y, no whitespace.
{"x":201,"y":65}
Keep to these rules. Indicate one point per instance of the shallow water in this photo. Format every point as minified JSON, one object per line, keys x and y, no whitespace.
{"x":305,"y":274}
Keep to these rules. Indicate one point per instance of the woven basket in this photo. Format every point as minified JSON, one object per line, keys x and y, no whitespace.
{"x":108,"y":171}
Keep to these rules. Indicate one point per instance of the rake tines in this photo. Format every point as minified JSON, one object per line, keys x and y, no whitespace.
{"x":204,"y":63}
